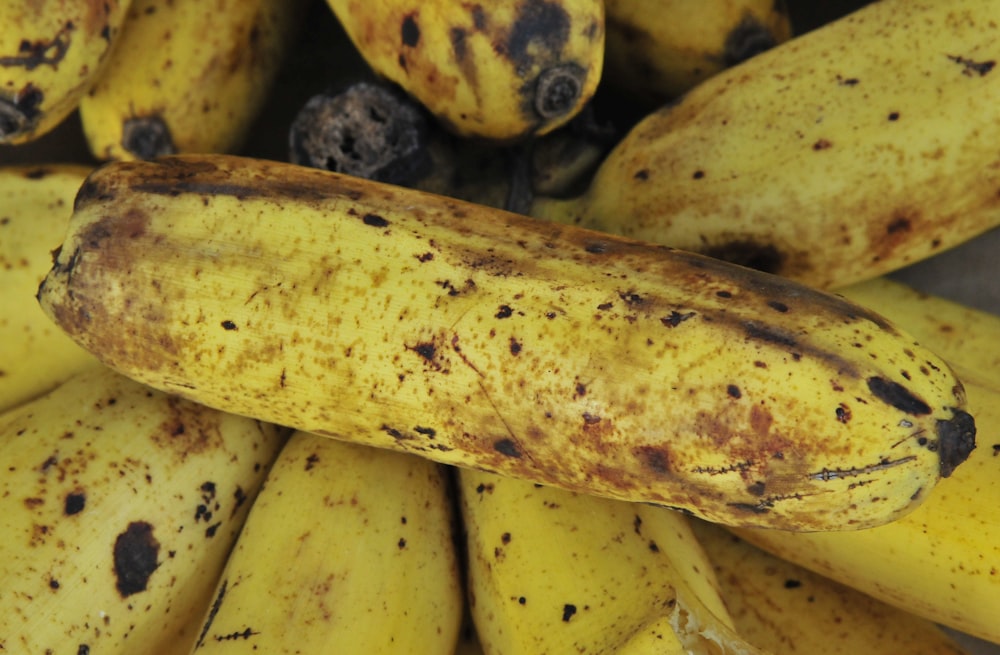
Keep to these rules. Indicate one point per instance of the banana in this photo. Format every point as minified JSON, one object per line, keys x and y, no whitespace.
{"x":187,"y":76}
{"x":50,"y":54}
{"x":967,"y":338}
{"x":940,"y":561}
{"x":500,"y":71}
{"x":368,"y":562}
{"x":490,"y":340}
{"x":837,"y":156}
{"x":119,"y":505}
{"x":781,"y":607}
{"x":657,"y":50}
{"x":35,"y":206}
{"x":552,"y":571}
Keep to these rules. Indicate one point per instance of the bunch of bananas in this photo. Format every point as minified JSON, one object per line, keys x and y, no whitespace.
{"x":575,"y":383}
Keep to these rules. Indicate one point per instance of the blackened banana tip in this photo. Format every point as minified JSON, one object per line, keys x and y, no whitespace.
{"x":558,"y":90}
{"x":956,"y":440}
{"x":147,"y":137}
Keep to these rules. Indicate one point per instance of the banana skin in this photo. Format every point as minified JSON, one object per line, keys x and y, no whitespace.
{"x":837,"y":156}
{"x":500,"y":71}
{"x":489,"y":340}
{"x":50,"y":54}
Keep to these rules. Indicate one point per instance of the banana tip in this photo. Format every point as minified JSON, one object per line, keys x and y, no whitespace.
{"x":17,"y":115}
{"x":956,"y":441}
{"x":558,"y":90}
{"x":147,"y":137}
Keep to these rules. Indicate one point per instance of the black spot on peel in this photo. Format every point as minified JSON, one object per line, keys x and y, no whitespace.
{"x":507,"y":447}
{"x":895,"y":394}
{"x":505,"y":311}
{"x":410,"y":32}
{"x":229,"y":325}
{"x":74,"y":503}
{"x":767,"y":333}
{"x":212,"y":612}
{"x":733,"y":391}
{"x":971,"y":67}
{"x":568,"y":612}
{"x":374,"y":220}
{"x":135,"y":553}
{"x":32,"y":54}
{"x":515,"y":347}
{"x":956,"y":441}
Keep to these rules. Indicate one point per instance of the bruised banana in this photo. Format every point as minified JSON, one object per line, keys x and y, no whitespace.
{"x":490,"y":340}
{"x":837,"y":156}
{"x":187,"y":76}
{"x":552,"y":571}
{"x":35,"y":206}
{"x":781,"y":607}
{"x":50,"y":54}
{"x":362,"y":533}
{"x":119,"y":505}
{"x":499,"y":71}
{"x":939,"y":562}
{"x":657,"y":50}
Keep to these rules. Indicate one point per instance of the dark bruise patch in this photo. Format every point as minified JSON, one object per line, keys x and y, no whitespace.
{"x":654,"y":458}
{"x":675,"y":318}
{"x":971,"y":67}
{"x":568,"y":611}
{"x":74,"y":503}
{"x":642,"y":174}
{"x":19,"y":113}
{"x":596,"y":247}
{"x":395,"y":433}
{"x":507,"y":447}
{"x":457,"y":37}
{"x":757,"y":488}
{"x":410,"y":31}
{"x":135,"y":553}
{"x":631,"y":298}
{"x":956,"y":441}
{"x":147,"y":137}
{"x":750,"y":37}
{"x":895,"y":394}
{"x":37,"y":173}
{"x":212,"y":612}
{"x":374,"y":220}
{"x":758,"y":256}
{"x":32,"y":54}
{"x":792,"y":584}
{"x":83,"y":649}
{"x":898,"y":224}
{"x":427,"y":350}
{"x":505,"y":311}
{"x":539,"y":25}
{"x":763,"y":507}
{"x":777,"y":306}
{"x":768,"y":333}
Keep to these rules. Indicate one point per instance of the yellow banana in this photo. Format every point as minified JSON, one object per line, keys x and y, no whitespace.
{"x":50,"y":54}
{"x":556,"y":572}
{"x":781,"y":607}
{"x":967,"y":338}
{"x":118,"y":506}
{"x":347,"y":549}
{"x":657,"y":50}
{"x":837,"y":156}
{"x":939,"y":561}
{"x":35,"y":206}
{"x":491,"y":340}
{"x":499,"y":71}
{"x":187,"y":76}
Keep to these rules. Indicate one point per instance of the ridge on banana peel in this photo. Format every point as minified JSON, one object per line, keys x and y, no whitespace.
{"x":490,"y":340}
{"x":837,"y":156}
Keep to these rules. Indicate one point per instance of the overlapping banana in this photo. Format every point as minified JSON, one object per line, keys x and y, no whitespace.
{"x":781,"y":607}
{"x":501,"y":71}
{"x":187,"y":76}
{"x":367,"y":558}
{"x":118,"y":506}
{"x":657,"y":50}
{"x":839,"y":155}
{"x":491,"y":340}
{"x":50,"y":54}
{"x":35,"y":206}
{"x":557,"y":572}
{"x":940,"y":561}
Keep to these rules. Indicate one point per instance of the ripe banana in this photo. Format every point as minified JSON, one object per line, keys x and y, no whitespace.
{"x":500,"y":71}
{"x":187,"y":76}
{"x":367,"y":558}
{"x":837,"y":156}
{"x":939,"y":562}
{"x":781,"y":607}
{"x":490,"y":340}
{"x":119,"y":505}
{"x":50,"y":54}
{"x":657,"y":50}
{"x":552,"y":571}
{"x":35,"y":206}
